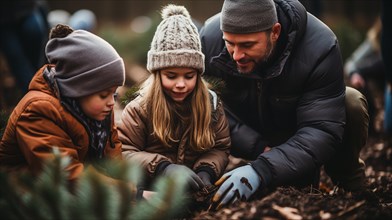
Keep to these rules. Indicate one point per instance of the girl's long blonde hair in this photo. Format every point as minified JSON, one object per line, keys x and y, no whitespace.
{"x":163,"y":113}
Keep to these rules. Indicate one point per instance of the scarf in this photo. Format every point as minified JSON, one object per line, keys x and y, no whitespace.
{"x":98,"y":130}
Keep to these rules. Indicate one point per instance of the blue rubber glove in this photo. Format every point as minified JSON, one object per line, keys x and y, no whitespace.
{"x":239,"y":183}
{"x":193,"y":180}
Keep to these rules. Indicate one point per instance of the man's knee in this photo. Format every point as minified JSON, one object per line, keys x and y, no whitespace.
{"x":357,"y":116}
{"x":356,"y":103}
{"x":346,"y":168}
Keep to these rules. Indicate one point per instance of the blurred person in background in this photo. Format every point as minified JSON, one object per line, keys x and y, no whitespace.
{"x":365,"y":72}
{"x":24,"y":32}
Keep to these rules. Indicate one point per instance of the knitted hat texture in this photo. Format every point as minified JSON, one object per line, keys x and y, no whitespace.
{"x":176,"y":42}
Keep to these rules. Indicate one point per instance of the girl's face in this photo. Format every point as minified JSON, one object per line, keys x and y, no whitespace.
{"x":178,"y":82}
{"x":98,"y":105}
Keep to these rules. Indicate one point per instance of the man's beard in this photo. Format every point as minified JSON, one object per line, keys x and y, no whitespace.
{"x":263,"y":62}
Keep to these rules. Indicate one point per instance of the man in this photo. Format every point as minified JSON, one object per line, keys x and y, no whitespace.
{"x":288,"y":108}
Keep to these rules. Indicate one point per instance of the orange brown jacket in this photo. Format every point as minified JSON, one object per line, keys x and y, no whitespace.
{"x":40,"y":122}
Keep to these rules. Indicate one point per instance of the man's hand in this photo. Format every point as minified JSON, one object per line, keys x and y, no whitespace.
{"x":239,"y":183}
{"x":194,"y":181}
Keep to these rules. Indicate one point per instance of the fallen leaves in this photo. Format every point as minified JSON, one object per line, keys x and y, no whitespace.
{"x":326,"y":203}
{"x":288,"y":212}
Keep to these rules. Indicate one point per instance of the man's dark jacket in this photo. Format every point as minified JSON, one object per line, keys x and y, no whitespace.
{"x":294,"y":105}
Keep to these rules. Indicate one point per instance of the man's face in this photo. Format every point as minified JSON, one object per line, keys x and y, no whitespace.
{"x":249,"y":50}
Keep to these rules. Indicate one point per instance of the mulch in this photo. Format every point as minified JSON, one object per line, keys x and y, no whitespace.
{"x":327,"y":202}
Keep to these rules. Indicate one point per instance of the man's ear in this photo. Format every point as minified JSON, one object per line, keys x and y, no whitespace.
{"x":276,"y":31}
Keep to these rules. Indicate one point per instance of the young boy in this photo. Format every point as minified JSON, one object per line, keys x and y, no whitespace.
{"x":68,"y":105}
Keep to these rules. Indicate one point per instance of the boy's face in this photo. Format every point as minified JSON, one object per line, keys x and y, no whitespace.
{"x":99,"y":105}
{"x":178,"y":82}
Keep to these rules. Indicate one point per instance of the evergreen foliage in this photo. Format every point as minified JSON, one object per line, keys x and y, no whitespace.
{"x":23,"y":196}
{"x":130,"y":95}
{"x":214,"y":83}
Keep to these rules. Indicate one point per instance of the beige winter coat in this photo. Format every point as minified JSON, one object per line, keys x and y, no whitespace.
{"x":140,"y":146}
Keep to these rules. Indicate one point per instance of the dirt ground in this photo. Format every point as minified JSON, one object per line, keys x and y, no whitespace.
{"x":329,"y":202}
{"x":326,"y":202}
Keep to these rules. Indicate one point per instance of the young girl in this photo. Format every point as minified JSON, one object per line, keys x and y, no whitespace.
{"x":176,"y":123}
{"x":69,"y":105}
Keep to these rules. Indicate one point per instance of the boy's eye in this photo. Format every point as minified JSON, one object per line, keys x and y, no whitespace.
{"x":105,"y":95}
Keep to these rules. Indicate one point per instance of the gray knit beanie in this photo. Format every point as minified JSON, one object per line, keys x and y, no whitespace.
{"x":84,"y":63}
{"x":248,"y":16}
{"x":176,"y":42}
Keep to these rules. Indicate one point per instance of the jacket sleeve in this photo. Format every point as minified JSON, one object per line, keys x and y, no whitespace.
{"x":38,"y":131}
{"x":217,"y":158}
{"x":320,"y":126}
{"x":212,"y":43}
{"x":246,"y":143}
{"x":113,"y":149}
{"x":133,"y":134}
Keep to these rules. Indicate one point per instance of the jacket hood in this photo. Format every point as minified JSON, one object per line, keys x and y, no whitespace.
{"x":39,"y":83}
{"x":292,"y":16}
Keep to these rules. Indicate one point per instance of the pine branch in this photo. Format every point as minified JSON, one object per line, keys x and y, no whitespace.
{"x":130,"y":95}
{"x":167,"y":203}
{"x":48,"y":196}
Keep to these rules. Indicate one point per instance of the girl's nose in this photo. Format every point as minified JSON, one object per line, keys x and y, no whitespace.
{"x":180,"y":84}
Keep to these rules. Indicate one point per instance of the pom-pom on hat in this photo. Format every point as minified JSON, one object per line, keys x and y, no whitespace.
{"x":176,"y":42}
{"x":248,"y":16}
{"x":84,"y":63}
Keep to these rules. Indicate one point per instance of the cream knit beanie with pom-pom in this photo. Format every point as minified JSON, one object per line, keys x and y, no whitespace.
{"x":176,"y":42}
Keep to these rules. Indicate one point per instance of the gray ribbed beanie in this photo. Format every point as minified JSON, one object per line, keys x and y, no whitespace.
{"x":248,"y":16}
{"x":85,"y":64}
{"x":176,"y":42}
